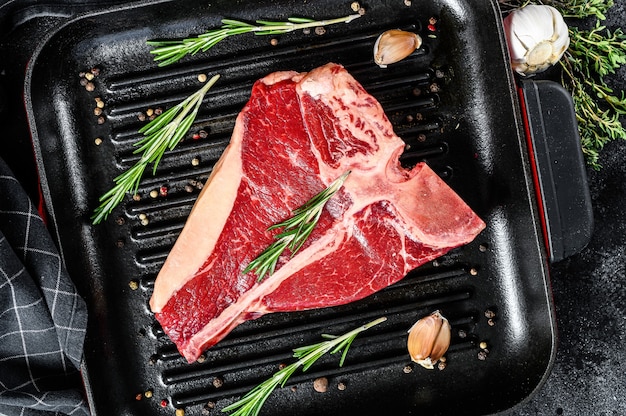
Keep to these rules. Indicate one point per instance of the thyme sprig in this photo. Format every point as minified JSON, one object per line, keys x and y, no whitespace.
{"x":252,"y":402}
{"x":167,"y":52}
{"x":296,"y":230}
{"x":592,"y":56}
{"x":161,"y":134}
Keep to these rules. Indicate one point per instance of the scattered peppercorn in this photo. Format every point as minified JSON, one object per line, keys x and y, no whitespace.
{"x":473,"y":271}
{"x":133,"y":284}
{"x":97,"y":111}
{"x":136,"y":197}
{"x":154,"y":193}
{"x":483,"y":345}
{"x":195,"y":161}
{"x":320,"y":30}
{"x":141,"y":117}
{"x":101,"y":120}
{"x":138,"y":396}
{"x":89,"y":86}
{"x":202,"y":77}
{"x":89,"y":76}
{"x":320,"y":384}
{"x":97,"y":141}
{"x":407,"y":3}
{"x":274,"y":42}
{"x":462,"y":333}
{"x":218,"y":382}
{"x":149,"y":112}
{"x":148,"y":394}
{"x":355,"y":6}
{"x":482,"y":248}
{"x":407,"y":369}
{"x":341,"y":386}
{"x":180,"y":412}
{"x":163,"y":190}
{"x":163,"y":403}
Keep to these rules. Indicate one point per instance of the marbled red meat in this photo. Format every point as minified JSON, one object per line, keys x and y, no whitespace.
{"x":298,"y":133}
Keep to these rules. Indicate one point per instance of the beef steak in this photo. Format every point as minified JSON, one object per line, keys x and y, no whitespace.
{"x":297,"y":133}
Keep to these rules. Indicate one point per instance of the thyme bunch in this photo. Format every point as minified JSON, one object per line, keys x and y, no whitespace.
{"x":592,"y":55}
{"x":252,"y":402}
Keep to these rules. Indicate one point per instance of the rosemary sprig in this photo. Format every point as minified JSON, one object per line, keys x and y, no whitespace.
{"x":296,"y":230}
{"x":251,"y":403}
{"x":161,"y":134}
{"x":167,"y":52}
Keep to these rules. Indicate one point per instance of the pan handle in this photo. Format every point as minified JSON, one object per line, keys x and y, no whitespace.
{"x":558,"y":167}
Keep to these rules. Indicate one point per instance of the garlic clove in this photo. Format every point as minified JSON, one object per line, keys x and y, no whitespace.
{"x":394,"y":45}
{"x":537,"y":37}
{"x":429,"y":339}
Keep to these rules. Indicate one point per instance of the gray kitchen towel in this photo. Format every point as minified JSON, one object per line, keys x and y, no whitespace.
{"x":42,"y":317}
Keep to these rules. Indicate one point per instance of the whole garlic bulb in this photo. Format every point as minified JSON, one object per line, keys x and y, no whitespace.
{"x":537,"y":37}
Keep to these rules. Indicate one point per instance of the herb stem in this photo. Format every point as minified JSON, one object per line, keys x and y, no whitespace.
{"x":167,"y":52}
{"x":252,"y":402}
{"x":296,"y":230}
{"x":161,"y":134}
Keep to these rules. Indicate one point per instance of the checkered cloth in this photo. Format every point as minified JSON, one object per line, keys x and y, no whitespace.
{"x":42,"y":318}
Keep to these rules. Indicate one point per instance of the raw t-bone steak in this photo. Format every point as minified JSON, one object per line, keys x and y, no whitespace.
{"x":298,"y":133}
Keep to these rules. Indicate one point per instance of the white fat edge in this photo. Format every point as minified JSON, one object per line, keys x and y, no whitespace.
{"x":201,"y":231}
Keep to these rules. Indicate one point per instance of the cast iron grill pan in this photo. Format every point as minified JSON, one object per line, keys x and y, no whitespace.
{"x":454,"y":104}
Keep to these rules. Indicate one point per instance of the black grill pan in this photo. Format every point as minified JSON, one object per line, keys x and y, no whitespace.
{"x":455,"y":104}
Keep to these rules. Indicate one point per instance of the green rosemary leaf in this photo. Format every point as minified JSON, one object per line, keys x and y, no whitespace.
{"x":296,"y":231}
{"x":252,"y":402}
{"x":161,"y":134}
{"x":166,"y":52}
{"x":300,"y":20}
